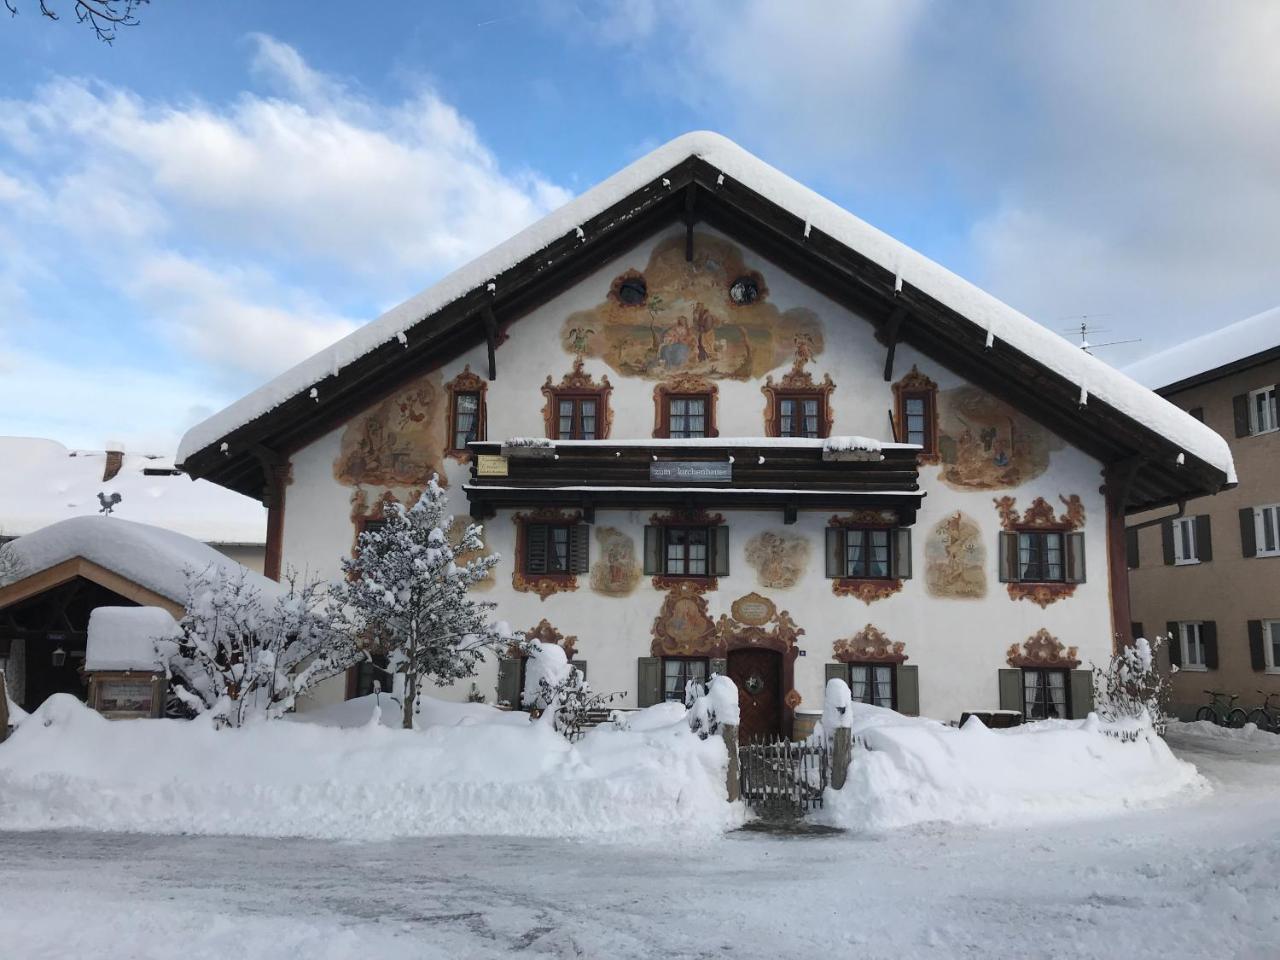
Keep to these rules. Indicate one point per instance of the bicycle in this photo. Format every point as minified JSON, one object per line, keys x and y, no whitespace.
{"x":1266,"y":717}
{"x":1224,"y":716}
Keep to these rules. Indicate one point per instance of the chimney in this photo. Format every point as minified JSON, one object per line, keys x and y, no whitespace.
{"x":115,"y":460}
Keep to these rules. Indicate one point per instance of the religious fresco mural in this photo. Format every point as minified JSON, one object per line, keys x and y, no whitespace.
{"x":399,"y":441}
{"x":616,"y":571}
{"x":985,"y":444}
{"x":709,"y":317}
{"x":955,"y":559}
{"x":779,"y":559}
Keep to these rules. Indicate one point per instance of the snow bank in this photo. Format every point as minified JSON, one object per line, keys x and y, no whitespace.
{"x":1207,"y":730}
{"x":124,"y":638}
{"x":907,"y":770}
{"x":67,"y":767}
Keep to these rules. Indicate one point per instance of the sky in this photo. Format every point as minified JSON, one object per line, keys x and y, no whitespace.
{"x":230,"y":187}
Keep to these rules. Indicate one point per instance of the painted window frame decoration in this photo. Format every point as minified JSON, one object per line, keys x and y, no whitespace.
{"x":868,"y":589}
{"x":466,"y":384}
{"x":684,"y":388}
{"x":870,"y":650}
{"x":797,"y":384}
{"x":577,"y":385}
{"x":656,"y":554}
{"x":544,"y":584}
{"x":1039,"y":519}
{"x":916,"y":386}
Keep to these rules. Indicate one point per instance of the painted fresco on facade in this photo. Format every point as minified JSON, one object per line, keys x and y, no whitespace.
{"x":399,"y":441}
{"x":708,"y":317}
{"x":616,"y":572}
{"x":955,"y":559}
{"x":987,"y":445}
{"x":778,"y":559}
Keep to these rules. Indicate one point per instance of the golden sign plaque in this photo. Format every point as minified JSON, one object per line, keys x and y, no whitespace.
{"x":488,"y":465}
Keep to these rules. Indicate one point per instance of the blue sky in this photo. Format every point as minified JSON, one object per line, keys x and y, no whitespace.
{"x":231,"y":186}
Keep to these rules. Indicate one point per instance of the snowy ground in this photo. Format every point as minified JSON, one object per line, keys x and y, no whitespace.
{"x":1198,"y":879}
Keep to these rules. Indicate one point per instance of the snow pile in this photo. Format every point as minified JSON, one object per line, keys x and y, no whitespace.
{"x":1249,"y":734}
{"x":837,"y":707}
{"x":546,"y":661}
{"x":907,"y":770}
{"x":68,"y":767}
{"x":855,"y":445}
{"x":124,"y":638}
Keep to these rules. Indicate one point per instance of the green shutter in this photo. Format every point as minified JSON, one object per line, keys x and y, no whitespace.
{"x":648,"y":681}
{"x":535,"y":548}
{"x":908,"y":690}
{"x":509,"y":681}
{"x":1081,"y":693}
{"x":1075,"y":558}
{"x":720,"y":555}
{"x":1011,"y":689}
{"x":579,"y":548}
{"x":836,"y":671}
{"x":1008,"y":557}
{"x":1209,"y":634}
{"x":1174,"y":643}
{"x":652,"y":551}
{"x":1166,"y":542}
{"x":1240,"y":413}
{"x":1257,"y":648}
{"x":835,"y":552}
{"x":902,"y":553}
{"x":1248,"y":533}
{"x":1204,"y":539}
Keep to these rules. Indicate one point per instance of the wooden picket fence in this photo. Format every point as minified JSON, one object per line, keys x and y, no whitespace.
{"x":783,"y":779}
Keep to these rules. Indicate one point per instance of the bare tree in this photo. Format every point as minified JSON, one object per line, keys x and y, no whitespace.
{"x":105,"y":16}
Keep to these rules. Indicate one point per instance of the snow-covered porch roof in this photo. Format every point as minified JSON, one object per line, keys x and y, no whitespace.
{"x":1165,"y":454}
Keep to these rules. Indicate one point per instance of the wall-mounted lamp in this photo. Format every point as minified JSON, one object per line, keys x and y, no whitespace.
{"x":59,"y":657}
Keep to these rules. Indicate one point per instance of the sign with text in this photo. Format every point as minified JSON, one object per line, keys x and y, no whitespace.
{"x":487,"y":465}
{"x":686,"y":471}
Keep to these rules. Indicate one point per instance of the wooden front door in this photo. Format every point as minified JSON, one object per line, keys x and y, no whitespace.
{"x":758,"y":674}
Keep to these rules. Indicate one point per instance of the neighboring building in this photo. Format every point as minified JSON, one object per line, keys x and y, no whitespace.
{"x":1210,"y":577}
{"x":42,"y":482}
{"x":70,"y":568}
{"x":703,"y":347}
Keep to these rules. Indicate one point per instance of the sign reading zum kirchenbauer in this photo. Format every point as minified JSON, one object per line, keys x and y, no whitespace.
{"x":683,"y":471}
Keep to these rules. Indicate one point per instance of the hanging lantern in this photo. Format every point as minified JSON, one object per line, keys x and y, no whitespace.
{"x":59,"y":657}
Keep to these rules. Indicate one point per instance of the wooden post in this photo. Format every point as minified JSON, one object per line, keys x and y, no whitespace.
{"x":4,"y":708}
{"x":733,"y":783}
{"x":841,"y":754}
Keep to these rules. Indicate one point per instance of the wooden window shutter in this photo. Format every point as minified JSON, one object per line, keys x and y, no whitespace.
{"x":1131,"y":547}
{"x":902,"y":553}
{"x":1174,"y":643}
{"x":1204,"y":539}
{"x":579,"y":548}
{"x":1257,"y":653}
{"x":1135,"y":630}
{"x":652,"y":551}
{"x":1011,"y":689}
{"x":582,"y":667}
{"x":1209,"y":634}
{"x":1166,"y":541}
{"x":1008,"y":557}
{"x":720,"y":553}
{"x":835,"y":553}
{"x":1075,"y":557}
{"x":1240,"y":411}
{"x":648,"y":681}
{"x":1081,"y":692}
{"x":509,"y":681}
{"x":718,"y":666}
{"x":908,"y":677}
{"x":1248,"y":533}
{"x":535,"y":548}
{"x":835,"y":671}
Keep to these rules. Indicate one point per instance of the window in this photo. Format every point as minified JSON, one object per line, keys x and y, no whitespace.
{"x":866,"y":553}
{"x":1191,"y":639}
{"x":915,"y":417}
{"x":1266,"y":523}
{"x":798,"y":416}
{"x":576,"y":418}
{"x":1044,"y":694}
{"x":687,"y":417}
{"x":1184,"y":540}
{"x":1271,"y":637}
{"x":678,"y":672}
{"x":1262,"y":410}
{"x":873,"y":683}
{"x":466,"y":419}
{"x":686,"y":549}
{"x":1042,"y":556}
{"x":371,"y":676}
{"x":555,"y":548}
{"x":869,"y":553}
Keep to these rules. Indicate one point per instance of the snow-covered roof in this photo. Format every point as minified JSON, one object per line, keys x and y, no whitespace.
{"x":1236,"y":341}
{"x":149,"y":556}
{"x":43,"y":482}
{"x":694,"y":443}
{"x":998,"y":320}
{"x":123,"y":638}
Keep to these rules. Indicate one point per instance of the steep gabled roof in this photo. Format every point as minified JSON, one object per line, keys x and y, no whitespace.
{"x":705,"y":177}
{"x":1237,"y":346}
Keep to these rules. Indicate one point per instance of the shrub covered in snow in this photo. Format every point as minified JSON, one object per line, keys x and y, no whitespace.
{"x":238,"y":657}
{"x":1130,"y":686}
{"x":406,"y":595}
{"x":715,"y":705}
{"x":557,"y":690}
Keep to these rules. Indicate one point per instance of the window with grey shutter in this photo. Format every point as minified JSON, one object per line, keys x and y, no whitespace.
{"x":1257,"y":648}
{"x":1075,"y":557}
{"x":1174,"y":643}
{"x":836,"y":671}
{"x":1209,"y":637}
{"x":835,"y":553}
{"x":1240,"y":412}
{"x":908,"y":676}
{"x":1081,"y":694}
{"x":1010,"y":681}
{"x":509,"y":681}
{"x":579,"y":548}
{"x":1166,"y":541}
{"x":720,"y":553}
{"x":652,"y":551}
{"x":1204,"y":539}
{"x":535,"y":548}
{"x":648,"y":681}
{"x":1248,"y":533}
{"x":902,"y":553}
{"x":1008,"y":557}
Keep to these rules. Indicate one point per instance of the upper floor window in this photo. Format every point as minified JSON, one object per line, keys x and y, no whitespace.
{"x":916,"y":414}
{"x":578,"y":407}
{"x":687,"y":416}
{"x":1260,"y":530}
{"x":1184,"y":540}
{"x":798,"y":415}
{"x":868,"y":553}
{"x":1255,"y":411}
{"x":577,"y":418}
{"x":676,"y":550}
{"x":555,"y":548}
{"x":1187,"y":540}
{"x":466,"y":412}
{"x":1042,"y":556}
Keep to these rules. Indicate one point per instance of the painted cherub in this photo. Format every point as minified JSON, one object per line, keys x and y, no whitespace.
{"x":579,"y":339}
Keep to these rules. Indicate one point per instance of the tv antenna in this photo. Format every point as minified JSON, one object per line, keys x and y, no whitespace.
{"x":1085,"y":329}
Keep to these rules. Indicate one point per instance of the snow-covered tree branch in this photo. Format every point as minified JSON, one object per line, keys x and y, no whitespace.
{"x":406,"y":596}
